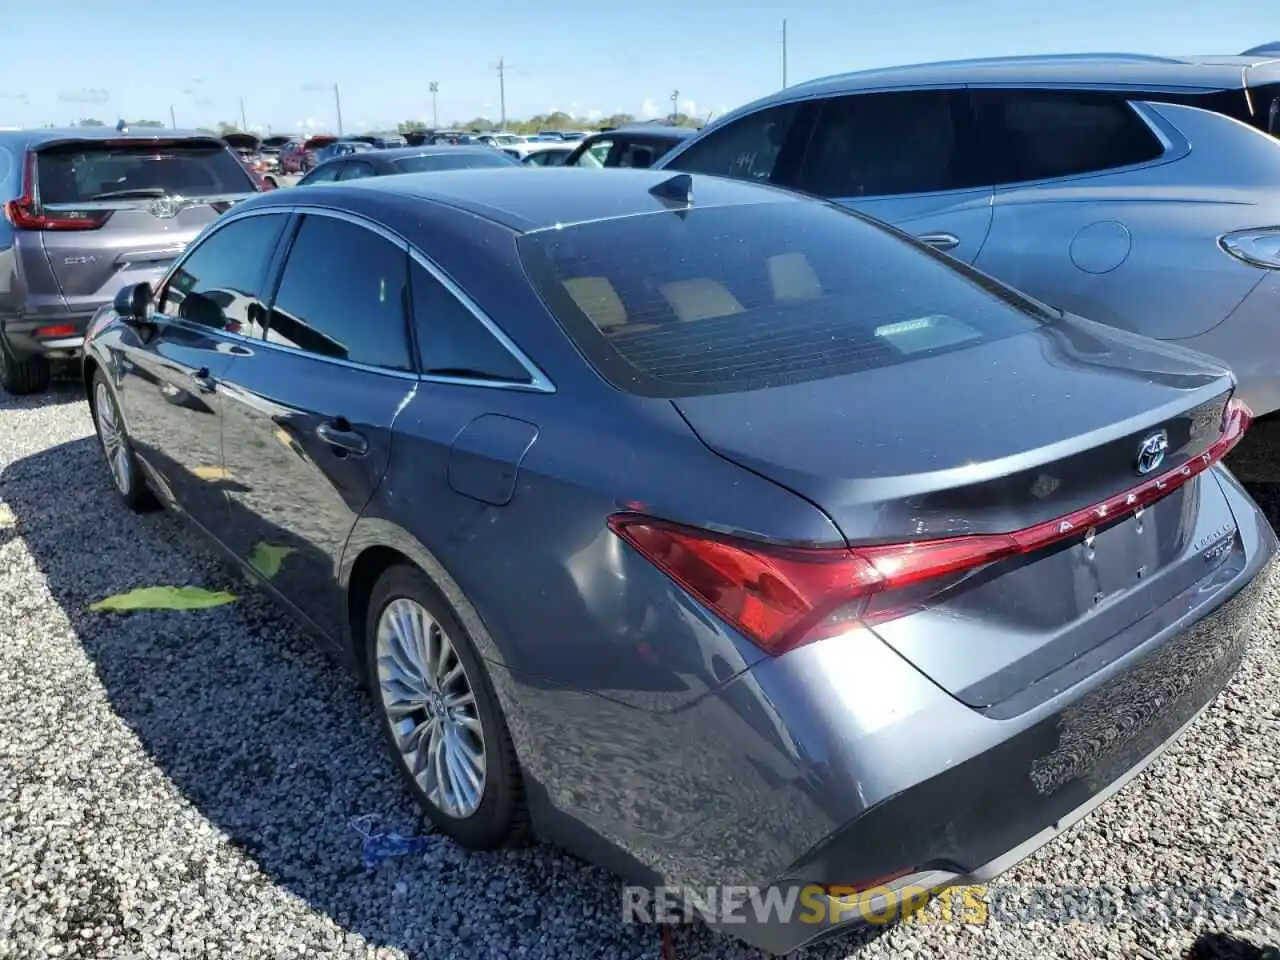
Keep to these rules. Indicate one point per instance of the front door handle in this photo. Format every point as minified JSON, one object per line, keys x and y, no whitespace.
{"x":940,"y":241}
{"x":203,"y":381}
{"x":345,"y":441}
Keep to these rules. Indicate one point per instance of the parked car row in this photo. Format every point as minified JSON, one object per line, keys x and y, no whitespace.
{"x":825,"y":475}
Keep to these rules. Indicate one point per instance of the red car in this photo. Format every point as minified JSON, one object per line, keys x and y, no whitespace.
{"x":299,"y":156}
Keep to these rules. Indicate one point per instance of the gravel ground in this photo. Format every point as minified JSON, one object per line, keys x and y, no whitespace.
{"x":180,"y":784}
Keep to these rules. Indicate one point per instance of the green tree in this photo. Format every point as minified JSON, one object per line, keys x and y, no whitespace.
{"x":148,"y":124}
{"x":225,"y":127}
{"x":410,"y":126}
{"x":618,"y":120}
{"x":90,"y":122}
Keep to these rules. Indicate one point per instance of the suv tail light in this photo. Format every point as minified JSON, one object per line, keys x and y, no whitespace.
{"x":24,"y":215}
{"x":784,"y":597}
{"x":1258,"y":248}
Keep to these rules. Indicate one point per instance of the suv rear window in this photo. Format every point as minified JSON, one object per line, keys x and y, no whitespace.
{"x":85,"y":172}
{"x":732,"y":298}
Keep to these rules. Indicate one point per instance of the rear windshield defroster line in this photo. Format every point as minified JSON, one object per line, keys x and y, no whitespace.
{"x":730,"y":298}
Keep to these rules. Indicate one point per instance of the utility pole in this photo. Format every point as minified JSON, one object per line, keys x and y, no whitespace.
{"x":434,"y":87}
{"x":502,"y":89}
{"x":244,"y":124}
{"x":172,"y":122}
{"x":675,"y":105}
{"x":337,"y":103}
{"x":784,"y":53}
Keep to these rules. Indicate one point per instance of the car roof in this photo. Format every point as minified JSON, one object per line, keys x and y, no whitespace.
{"x":46,"y":136}
{"x":522,"y":201}
{"x":1077,"y":69}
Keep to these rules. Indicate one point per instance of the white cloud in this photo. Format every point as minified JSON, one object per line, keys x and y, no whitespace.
{"x":649,"y":109}
{"x":689,"y":108}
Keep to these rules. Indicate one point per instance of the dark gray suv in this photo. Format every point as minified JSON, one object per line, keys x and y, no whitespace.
{"x":87,"y":211}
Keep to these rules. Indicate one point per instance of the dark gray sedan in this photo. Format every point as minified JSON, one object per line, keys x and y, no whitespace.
{"x":719,"y":534}
{"x":381,"y":163}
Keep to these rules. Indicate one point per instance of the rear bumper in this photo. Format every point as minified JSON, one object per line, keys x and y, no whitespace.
{"x":1023,"y":781}
{"x":841,"y":762}
{"x":54,"y":335}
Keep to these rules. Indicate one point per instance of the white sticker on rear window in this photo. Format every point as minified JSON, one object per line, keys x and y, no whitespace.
{"x":926,"y":333}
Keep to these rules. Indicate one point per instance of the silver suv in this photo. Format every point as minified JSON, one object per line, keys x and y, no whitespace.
{"x":90,"y":210}
{"x":1139,"y":191}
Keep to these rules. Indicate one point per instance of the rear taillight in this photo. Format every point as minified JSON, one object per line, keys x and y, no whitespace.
{"x":784,"y":597}
{"x":60,"y":330}
{"x":23,"y":213}
{"x":1258,"y":248}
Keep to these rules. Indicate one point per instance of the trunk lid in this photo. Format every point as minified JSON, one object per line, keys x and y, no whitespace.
{"x":993,"y":439}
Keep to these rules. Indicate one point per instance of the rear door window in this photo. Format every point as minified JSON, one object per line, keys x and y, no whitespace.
{"x":888,"y":144}
{"x":745,"y":149}
{"x":82,"y":172}
{"x":325,"y":173}
{"x":342,"y":295}
{"x":1032,"y":135}
{"x":453,"y":341}
{"x":742,"y":297}
{"x":357,"y":170}
{"x":593,"y":155}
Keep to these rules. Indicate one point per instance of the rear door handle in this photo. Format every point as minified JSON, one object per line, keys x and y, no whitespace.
{"x":203,"y":381}
{"x":338,"y":434}
{"x":940,"y":241}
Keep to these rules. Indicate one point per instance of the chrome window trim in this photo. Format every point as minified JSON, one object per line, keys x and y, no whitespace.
{"x":539,"y":382}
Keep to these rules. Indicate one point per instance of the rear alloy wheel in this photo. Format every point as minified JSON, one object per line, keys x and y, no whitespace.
{"x":440,"y":714}
{"x":22,"y":376}
{"x":117,"y":450}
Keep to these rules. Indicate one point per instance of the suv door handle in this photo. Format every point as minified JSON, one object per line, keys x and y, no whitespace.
{"x":345,"y":441}
{"x":203,"y":381}
{"x":940,"y":241}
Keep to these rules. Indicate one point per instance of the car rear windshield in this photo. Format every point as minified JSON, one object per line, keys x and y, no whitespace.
{"x":730,"y":298}
{"x":453,"y":162}
{"x":87,"y":171}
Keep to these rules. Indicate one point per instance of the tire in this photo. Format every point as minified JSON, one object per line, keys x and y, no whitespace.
{"x":126,"y":475}
{"x":492,"y":815}
{"x":24,"y":375}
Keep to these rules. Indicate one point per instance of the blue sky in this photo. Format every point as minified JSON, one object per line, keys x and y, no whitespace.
{"x":575,"y":55}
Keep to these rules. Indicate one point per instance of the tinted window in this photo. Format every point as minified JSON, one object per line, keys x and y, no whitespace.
{"x":593,"y":155}
{"x":1266,"y":102}
{"x":745,"y":149}
{"x":451,"y":339}
{"x":342,"y":295}
{"x":1038,"y":135}
{"x":356,"y":170}
{"x":98,"y":171}
{"x":323,"y":174}
{"x":740,"y":297}
{"x":444,"y":161}
{"x":882,"y":144}
{"x":221,"y":283}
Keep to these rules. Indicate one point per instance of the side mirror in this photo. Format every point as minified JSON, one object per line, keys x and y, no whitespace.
{"x":133,"y":303}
